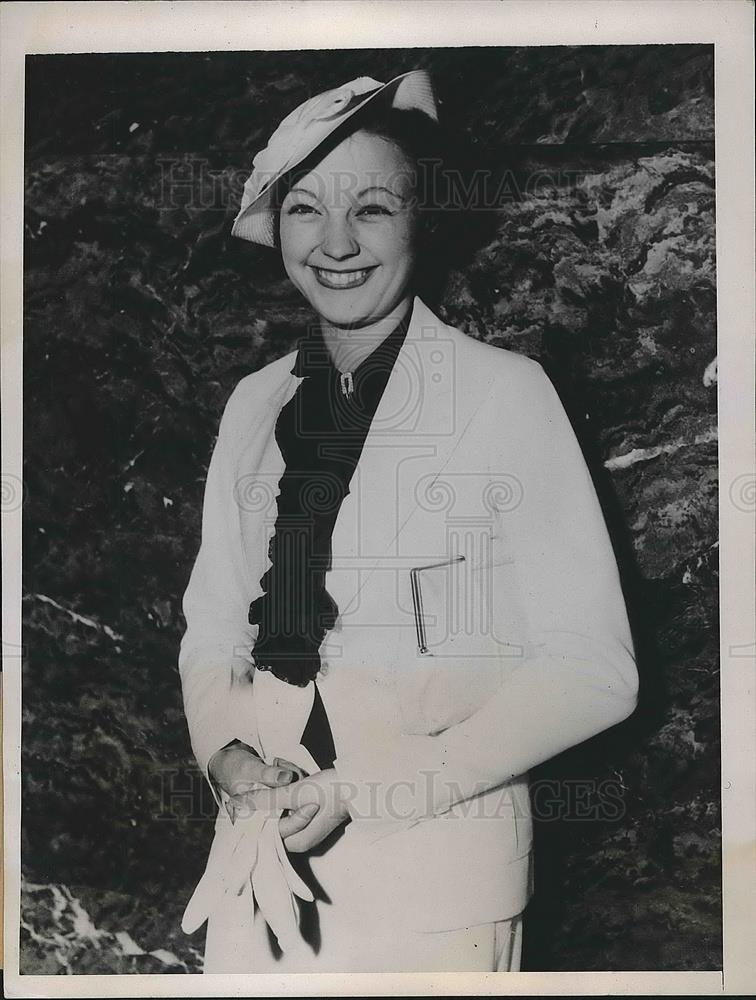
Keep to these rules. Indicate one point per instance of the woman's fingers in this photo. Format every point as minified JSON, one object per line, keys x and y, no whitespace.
{"x":319,"y":827}
{"x":287,"y":765}
{"x":296,"y":821}
{"x":311,"y":809}
{"x":238,"y":769}
{"x":252,"y":772}
{"x":266,"y":800}
{"x":269,"y":800}
{"x":273,"y":775}
{"x":292,"y":796}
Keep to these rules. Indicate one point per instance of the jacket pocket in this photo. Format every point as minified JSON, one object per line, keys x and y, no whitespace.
{"x":465,"y":641}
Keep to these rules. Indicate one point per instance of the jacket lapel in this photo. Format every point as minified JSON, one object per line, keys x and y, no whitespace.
{"x":418,"y":425}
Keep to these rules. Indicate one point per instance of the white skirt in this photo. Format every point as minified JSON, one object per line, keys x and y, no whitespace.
{"x":354,"y":925}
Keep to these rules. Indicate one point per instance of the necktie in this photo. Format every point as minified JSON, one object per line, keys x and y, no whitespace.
{"x":317,"y":738}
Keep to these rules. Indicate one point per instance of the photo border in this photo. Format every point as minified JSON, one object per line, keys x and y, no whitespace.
{"x":27,"y":28}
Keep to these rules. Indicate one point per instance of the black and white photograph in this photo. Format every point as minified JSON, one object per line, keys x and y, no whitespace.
{"x":370,"y":508}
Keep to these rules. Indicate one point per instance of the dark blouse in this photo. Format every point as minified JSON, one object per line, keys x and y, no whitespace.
{"x":320,"y":432}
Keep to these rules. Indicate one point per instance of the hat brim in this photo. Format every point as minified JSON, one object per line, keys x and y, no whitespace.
{"x":256,"y":221}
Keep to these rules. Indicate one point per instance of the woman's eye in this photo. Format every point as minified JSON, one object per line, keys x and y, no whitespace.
{"x":300,"y":209}
{"x":374,"y":210}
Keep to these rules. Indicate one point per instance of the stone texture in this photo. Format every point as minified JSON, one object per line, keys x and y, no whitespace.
{"x":595,"y":256}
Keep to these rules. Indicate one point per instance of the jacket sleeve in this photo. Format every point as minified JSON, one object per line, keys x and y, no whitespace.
{"x":577,"y":676}
{"x":215,"y":655}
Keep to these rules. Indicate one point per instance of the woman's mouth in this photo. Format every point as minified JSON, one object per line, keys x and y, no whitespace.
{"x":342,"y":279}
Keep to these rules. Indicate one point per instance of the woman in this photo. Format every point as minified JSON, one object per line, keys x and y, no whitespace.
{"x":405,"y":596}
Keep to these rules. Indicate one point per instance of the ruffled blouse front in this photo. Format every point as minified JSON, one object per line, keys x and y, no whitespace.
{"x":321,"y":432}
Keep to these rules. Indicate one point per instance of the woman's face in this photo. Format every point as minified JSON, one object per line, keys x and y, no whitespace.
{"x":348,"y":231}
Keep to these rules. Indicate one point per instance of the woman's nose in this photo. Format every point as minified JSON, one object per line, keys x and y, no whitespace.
{"x":338,"y":239}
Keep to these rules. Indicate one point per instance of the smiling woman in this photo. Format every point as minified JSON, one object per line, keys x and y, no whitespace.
{"x":372,"y":788}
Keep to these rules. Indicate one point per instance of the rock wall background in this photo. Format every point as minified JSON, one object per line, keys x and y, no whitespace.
{"x":141,"y":314}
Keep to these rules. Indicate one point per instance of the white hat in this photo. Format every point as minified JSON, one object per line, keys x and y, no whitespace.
{"x":306,"y":128}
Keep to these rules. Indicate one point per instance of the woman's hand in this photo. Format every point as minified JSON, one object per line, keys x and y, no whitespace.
{"x":237,"y":769}
{"x":318,"y":799}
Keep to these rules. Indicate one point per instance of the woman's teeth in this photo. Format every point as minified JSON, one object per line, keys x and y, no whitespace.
{"x":342,"y":279}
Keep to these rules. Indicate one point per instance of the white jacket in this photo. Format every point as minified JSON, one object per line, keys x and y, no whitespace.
{"x":470,"y":454}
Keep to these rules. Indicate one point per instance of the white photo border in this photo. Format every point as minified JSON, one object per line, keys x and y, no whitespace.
{"x":197,"y":25}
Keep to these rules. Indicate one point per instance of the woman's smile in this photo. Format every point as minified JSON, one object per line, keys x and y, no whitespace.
{"x":342,"y":279}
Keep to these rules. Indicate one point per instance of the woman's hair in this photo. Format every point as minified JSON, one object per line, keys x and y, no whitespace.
{"x":427,"y":149}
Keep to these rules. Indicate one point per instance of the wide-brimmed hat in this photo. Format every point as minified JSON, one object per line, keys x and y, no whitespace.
{"x":306,"y":128}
